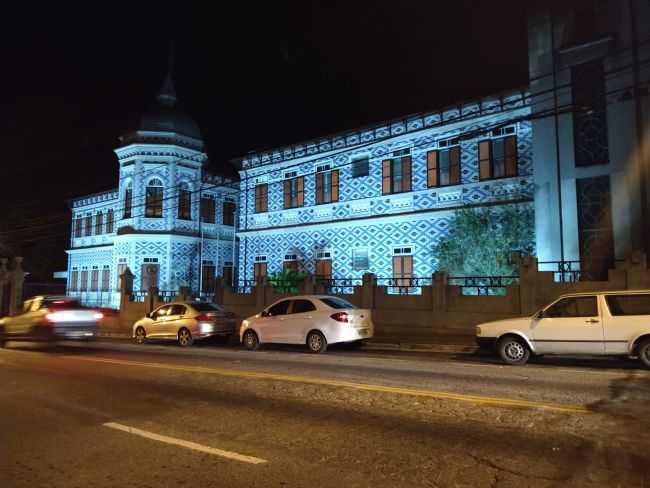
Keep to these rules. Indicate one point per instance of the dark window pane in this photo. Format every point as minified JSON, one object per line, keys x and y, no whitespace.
{"x":574,"y":307}
{"x":337,"y":303}
{"x":279,"y":308}
{"x":360,"y":167}
{"x":628,"y":304}
{"x":302,"y":306}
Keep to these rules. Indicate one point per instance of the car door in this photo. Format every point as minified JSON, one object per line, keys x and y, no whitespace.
{"x":157,"y":328}
{"x":624,"y":314}
{"x":174,"y":321}
{"x":572,"y":325}
{"x":271,"y":325}
{"x":299,"y":321}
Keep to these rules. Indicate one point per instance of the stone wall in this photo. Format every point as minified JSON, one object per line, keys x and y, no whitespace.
{"x":438,"y":309}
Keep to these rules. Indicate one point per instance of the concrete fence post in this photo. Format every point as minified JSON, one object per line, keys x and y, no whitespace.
{"x":17,"y":281}
{"x":369,"y":283}
{"x":151,"y":300}
{"x":218,"y":290}
{"x":260,"y":292}
{"x":308,"y":285}
{"x":636,"y":268}
{"x":528,"y":283}
{"x":439,"y":300}
{"x":126,"y":288}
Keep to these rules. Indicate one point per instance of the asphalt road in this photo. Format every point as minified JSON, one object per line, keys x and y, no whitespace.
{"x":112,"y":414}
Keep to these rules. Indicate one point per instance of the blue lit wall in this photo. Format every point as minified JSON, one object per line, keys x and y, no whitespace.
{"x":363,"y":217}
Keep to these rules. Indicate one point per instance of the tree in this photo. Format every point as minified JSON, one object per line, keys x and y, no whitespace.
{"x":481,"y":240}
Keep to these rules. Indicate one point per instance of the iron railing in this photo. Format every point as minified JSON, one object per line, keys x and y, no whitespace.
{"x":482,"y":285}
{"x":244,"y":286}
{"x":404,"y":286}
{"x":339,"y":286}
{"x":574,"y":271}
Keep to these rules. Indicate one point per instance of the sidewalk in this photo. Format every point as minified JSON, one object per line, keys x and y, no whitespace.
{"x":441,"y":343}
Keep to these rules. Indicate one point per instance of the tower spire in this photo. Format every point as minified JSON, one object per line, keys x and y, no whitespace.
{"x":167,"y":95}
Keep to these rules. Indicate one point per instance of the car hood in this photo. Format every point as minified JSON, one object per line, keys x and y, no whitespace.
{"x":500,"y":326}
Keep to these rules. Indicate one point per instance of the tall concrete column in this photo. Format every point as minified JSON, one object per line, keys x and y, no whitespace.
{"x":18,"y":279}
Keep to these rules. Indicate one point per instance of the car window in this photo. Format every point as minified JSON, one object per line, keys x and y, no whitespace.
{"x":177,"y":310}
{"x":162,"y":311}
{"x":637,"y":304}
{"x":206,"y":307}
{"x":279,"y":308}
{"x":337,"y":303}
{"x":36,"y":304}
{"x":573,"y":307}
{"x":302,"y":306}
{"x":61,"y":303}
{"x":26,"y":306}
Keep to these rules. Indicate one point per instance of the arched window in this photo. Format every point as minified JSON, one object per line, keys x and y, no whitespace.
{"x":128,"y":200}
{"x":184,"y":202}
{"x":154,"y":199}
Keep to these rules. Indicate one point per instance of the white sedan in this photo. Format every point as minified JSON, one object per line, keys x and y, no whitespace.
{"x":314,"y":320}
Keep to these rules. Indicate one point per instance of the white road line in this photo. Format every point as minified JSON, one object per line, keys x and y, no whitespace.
{"x":187,"y":444}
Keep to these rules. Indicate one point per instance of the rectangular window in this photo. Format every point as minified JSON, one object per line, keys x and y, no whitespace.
{"x":99,"y":223}
{"x":154,"y":202}
{"x":185,"y":204}
{"x":207,"y":210}
{"x":110,"y":221}
{"x":498,"y":158}
{"x":443,"y":167}
{"x":360,"y":261}
{"x":94,"y":279}
{"x":636,"y":304}
{"x":74,"y":280}
{"x":106,"y":277}
{"x":78,"y":222}
{"x":259,"y":267}
{"x":327,"y":186}
{"x":229,"y":213}
{"x":396,"y":175}
{"x":290,"y":262}
{"x":261,"y":197}
{"x":208,"y":282}
{"x":89,"y":225}
{"x":121,"y":267}
{"x":294,"y":192}
{"x":361,"y":167}
{"x":591,"y":145}
{"x":83,"y":286}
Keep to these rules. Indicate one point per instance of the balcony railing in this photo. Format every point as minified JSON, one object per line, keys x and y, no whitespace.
{"x":483,"y":285}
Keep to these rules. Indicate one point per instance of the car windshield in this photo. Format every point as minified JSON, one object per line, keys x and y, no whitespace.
{"x":207,"y":307}
{"x":337,"y":303}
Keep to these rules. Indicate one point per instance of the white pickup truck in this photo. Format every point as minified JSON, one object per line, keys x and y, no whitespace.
{"x":613,"y":323}
{"x":50,"y":318}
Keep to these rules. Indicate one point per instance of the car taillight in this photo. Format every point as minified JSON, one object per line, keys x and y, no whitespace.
{"x":98,"y":315}
{"x":341,"y":317}
{"x":205,"y":317}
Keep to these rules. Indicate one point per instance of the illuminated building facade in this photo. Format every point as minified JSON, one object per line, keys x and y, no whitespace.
{"x":169,"y":220}
{"x":377,"y":199}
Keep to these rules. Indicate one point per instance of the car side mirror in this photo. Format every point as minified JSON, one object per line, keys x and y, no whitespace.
{"x":265,"y":313}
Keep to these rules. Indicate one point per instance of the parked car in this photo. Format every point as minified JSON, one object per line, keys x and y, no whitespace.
{"x":314,"y":320}
{"x":50,"y":318}
{"x":615,"y":323}
{"x":184,"y":322}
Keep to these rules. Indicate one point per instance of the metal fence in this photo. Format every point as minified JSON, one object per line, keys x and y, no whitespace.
{"x":574,"y":271}
{"x":404,"y":286}
{"x":483,"y":285}
{"x":339,"y":286}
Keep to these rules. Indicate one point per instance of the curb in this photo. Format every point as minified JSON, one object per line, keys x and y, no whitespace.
{"x":414,"y":347}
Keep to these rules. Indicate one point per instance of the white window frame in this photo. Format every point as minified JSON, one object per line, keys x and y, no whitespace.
{"x":404,"y":250}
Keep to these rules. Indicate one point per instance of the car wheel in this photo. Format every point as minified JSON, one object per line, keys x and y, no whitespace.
{"x":643,"y":351}
{"x":185,"y":338}
{"x":513,"y":350}
{"x":140,"y":335}
{"x":316,"y":342}
{"x":251,"y":341}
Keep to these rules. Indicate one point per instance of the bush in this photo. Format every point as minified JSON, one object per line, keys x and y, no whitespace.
{"x":286,"y":281}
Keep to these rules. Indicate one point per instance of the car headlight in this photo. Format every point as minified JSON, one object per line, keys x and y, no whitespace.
{"x":478,"y":330}
{"x":206,"y":327}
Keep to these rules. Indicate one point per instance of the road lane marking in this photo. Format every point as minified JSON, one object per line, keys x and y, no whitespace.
{"x":187,"y":444}
{"x":477,"y":399}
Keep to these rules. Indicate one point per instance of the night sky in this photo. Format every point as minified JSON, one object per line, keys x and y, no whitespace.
{"x":252,"y":76}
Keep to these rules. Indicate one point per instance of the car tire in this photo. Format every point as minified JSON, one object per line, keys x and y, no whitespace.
{"x":513,"y":350}
{"x":140,"y":335}
{"x":643,"y":352}
{"x":316,"y":342}
{"x":251,"y":341}
{"x":185,"y":338}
